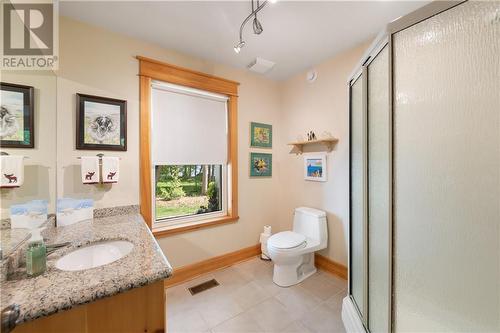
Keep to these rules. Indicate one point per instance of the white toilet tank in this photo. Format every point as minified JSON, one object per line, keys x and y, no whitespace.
{"x":311,"y":223}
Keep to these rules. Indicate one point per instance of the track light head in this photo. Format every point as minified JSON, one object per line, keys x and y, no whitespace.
{"x":257,"y":27}
{"x":237,"y":47}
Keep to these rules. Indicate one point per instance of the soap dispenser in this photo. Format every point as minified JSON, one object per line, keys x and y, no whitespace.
{"x":36,"y":254}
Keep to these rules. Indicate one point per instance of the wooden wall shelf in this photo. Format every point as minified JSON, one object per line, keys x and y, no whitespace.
{"x":299,"y":146}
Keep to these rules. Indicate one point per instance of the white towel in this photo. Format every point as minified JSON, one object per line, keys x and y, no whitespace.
{"x":110,"y":169}
{"x":90,"y":169}
{"x":12,"y":168}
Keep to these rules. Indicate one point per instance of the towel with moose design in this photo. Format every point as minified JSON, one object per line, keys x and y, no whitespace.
{"x":12,"y":170}
{"x":90,"y":169}
{"x":110,"y":169}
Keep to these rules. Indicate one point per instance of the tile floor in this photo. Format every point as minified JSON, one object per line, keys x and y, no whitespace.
{"x":247,"y":300}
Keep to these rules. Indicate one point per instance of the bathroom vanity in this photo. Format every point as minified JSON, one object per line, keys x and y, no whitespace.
{"x":126,"y":295}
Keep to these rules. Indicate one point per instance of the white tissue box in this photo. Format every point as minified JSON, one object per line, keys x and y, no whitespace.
{"x":71,"y":211}
{"x":29,"y":215}
{"x":27,"y":221}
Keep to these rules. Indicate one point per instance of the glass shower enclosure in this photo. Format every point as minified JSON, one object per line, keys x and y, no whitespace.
{"x":424,"y":250}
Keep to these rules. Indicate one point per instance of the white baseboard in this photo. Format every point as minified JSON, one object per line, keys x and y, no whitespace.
{"x":350,"y":317}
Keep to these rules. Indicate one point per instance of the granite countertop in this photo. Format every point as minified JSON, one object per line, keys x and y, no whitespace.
{"x":57,"y":290}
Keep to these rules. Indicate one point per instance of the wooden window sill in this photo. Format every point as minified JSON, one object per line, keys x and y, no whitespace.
{"x":173,"y":230}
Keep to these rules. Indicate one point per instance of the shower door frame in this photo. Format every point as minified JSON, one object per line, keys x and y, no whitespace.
{"x":358,"y":75}
{"x":383,"y":39}
{"x":377,"y":46}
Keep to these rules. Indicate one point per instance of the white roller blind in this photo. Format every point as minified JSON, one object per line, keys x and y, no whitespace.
{"x":189,"y":126}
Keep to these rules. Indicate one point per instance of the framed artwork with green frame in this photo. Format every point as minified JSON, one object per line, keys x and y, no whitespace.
{"x":261,"y":165}
{"x":261,"y":135}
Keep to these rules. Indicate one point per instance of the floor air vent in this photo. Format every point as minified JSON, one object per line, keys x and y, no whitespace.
{"x":203,"y":286}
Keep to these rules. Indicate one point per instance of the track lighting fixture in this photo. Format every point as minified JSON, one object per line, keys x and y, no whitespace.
{"x":237,"y":47}
{"x":257,"y":26}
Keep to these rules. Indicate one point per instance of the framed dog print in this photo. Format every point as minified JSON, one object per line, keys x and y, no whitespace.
{"x":261,"y":135}
{"x":315,"y":168}
{"x":261,"y":165}
{"x":17,"y":116}
{"x":101,"y":123}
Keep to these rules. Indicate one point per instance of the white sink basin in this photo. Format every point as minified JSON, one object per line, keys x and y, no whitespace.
{"x":94,"y":255}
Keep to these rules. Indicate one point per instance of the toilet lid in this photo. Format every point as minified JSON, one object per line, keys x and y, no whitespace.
{"x":286,"y":240}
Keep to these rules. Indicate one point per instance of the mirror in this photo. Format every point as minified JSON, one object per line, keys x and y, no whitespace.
{"x":27,"y":129}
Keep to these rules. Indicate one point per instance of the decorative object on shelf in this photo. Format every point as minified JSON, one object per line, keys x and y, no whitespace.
{"x":299,"y":145}
{"x":261,"y":165}
{"x":315,"y":167}
{"x":311,"y":136}
{"x":17,"y":116}
{"x":101,"y":123}
{"x":261,"y":135}
{"x":326,"y":135}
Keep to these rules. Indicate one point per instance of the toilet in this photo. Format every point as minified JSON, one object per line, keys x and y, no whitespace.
{"x":292,"y":252}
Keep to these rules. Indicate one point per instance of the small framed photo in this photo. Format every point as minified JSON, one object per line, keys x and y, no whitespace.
{"x":101,"y":123}
{"x":17,"y":116}
{"x":261,"y":135}
{"x":315,"y":168}
{"x":261,"y":165}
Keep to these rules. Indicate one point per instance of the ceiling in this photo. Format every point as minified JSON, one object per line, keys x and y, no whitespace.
{"x":297,"y":34}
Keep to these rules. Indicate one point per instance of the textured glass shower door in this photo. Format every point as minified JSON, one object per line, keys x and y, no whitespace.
{"x":447,"y":172}
{"x":370,"y":185}
{"x":379,"y":180}
{"x":425,"y":173}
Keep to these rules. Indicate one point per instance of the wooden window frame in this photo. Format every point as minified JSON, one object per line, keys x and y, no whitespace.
{"x":150,"y":70}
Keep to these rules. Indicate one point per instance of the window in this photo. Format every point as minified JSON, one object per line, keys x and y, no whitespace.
{"x":188,"y":148}
{"x":189,"y":153}
{"x":189,"y":191}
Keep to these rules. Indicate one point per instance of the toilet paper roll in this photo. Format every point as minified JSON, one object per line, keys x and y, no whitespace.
{"x":264,"y":238}
{"x":263,"y":246}
{"x":267,"y":230}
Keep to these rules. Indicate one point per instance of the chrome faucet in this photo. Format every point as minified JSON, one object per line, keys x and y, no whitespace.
{"x":10,"y":315}
{"x":51,"y":248}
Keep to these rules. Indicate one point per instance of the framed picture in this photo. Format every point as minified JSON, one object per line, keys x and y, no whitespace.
{"x":261,"y":135}
{"x":101,"y":123}
{"x":17,"y":116}
{"x":261,"y":165}
{"x":315,"y":168}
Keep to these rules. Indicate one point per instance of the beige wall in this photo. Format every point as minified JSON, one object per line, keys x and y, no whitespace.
{"x":105,"y":65}
{"x":99,"y":62}
{"x":40,"y":166}
{"x":320,"y":106}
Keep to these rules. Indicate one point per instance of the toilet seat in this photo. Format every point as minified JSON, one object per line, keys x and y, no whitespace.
{"x":287,"y":240}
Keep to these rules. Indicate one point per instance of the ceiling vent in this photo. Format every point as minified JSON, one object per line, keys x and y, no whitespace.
{"x":261,"y":66}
